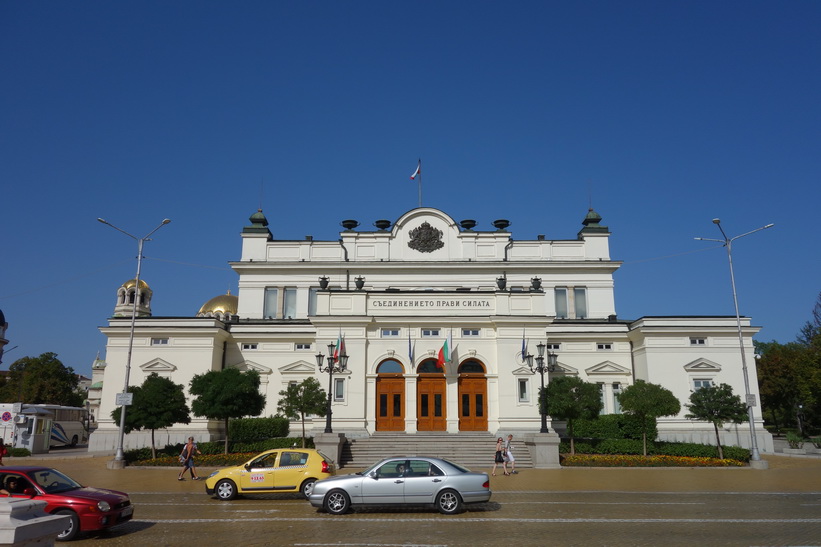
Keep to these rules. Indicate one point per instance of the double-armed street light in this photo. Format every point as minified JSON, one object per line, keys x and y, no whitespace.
{"x":544,"y":363}
{"x":337,"y":363}
{"x":140,"y":242}
{"x":750,"y":399}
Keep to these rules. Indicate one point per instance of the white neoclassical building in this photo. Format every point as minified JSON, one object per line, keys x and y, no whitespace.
{"x":396,"y":293}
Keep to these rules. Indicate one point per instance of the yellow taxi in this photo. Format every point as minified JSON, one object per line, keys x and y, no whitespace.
{"x":271,"y":472}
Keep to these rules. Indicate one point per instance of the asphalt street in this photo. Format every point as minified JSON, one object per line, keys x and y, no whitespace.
{"x":570,"y":506}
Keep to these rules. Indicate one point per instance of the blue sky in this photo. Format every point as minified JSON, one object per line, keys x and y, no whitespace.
{"x":663,"y":115}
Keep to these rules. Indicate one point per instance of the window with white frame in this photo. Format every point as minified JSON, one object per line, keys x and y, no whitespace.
{"x":430,"y":333}
{"x":561,"y":302}
{"x":524,"y":391}
{"x":553,"y":347}
{"x":339,"y":389}
{"x":289,"y":304}
{"x":699,"y":383}
{"x":698,"y":341}
{"x":390,"y":333}
{"x":312,"y":300}
{"x":249,"y":346}
{"x":470,"y":332}
{"x":604,"y":346}
{"x":159,"y":341}
{"x":271,"y":302}
{"x":302,"y":346}
{"x":580,"y":302}
{"x":616,"y":403}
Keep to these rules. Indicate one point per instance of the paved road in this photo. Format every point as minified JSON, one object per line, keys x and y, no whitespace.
{"x":777,"y":506}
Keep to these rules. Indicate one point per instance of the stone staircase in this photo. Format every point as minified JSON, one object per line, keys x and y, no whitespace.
{"x":473,"y":450}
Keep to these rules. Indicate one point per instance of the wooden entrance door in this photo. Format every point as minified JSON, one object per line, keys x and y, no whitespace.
{"x":472,"y":402}
{"x":430,"y":403}
{"x":390,"y":402}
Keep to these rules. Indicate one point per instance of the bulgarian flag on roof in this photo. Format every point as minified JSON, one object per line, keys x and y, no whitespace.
{"x":445,"y":351}
{"x":418,"y":170}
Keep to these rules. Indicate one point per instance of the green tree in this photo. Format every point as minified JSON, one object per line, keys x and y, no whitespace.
{"x":299,"y":400}
{"x":717,"y":405}
{"x":225,"y":394}
{"x":647,"y":402}
{"x":41,"y":380}
{"x":158,"y":403}
{"x":570,"y":398}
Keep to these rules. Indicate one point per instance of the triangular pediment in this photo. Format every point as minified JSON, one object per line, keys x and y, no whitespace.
{"x":157,"y":365}
{"x":702,"y":365}
{"x":298,"y":367}
{"x":250,"y":365}
{"x":521,"y":371}
{"x":607,"y":367}
{"x":567,"y":370}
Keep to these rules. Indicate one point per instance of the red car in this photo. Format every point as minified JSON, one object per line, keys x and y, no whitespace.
{"x":89,"y":508}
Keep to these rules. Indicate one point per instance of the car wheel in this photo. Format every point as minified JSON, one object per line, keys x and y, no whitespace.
{"x":307,"y":487}
{"x":448,"y":502}
{"x":337,"y":502}
{"x":74,"y":440}
{"x":226,"y":490}
{"x":73,"y":525}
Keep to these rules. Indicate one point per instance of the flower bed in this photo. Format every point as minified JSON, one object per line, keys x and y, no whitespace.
{"x":616,"y":460}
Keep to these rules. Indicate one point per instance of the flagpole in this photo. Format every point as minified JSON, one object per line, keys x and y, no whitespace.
{"x":420,"y":182}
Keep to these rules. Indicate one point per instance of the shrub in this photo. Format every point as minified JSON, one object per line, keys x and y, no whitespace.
{"x":613,"y":426}
{"x":634,"y":447}
{"x":19,"y":452}
{"x":795,"y":440}
{"x":170,"y":453}
{"x":587,"y":460}
{"x":257,"y":429}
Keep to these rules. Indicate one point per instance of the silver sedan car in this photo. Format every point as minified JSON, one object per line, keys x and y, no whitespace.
{"x":404,"y":480}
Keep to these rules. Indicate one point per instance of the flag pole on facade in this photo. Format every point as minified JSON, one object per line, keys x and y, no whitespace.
{"x":418,"y":174}
{"x":410,"y":348}
{"x":445,"y":351}
{"x":524,"y":346}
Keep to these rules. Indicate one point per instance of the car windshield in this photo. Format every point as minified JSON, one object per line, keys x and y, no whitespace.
{"x":52,"y":481}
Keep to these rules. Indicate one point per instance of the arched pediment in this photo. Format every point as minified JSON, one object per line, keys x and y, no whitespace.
{"x":158,"y":365}
{"x":300,"y":368}
{"x":250,"y":365}
{"x":702,"y":365}
{"x":608,"y":368}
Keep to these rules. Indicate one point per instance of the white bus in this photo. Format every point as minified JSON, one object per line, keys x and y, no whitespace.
{"x":69,"y":426}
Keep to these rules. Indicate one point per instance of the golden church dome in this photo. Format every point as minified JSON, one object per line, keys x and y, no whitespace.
{"x":222,"y":304}
{"x":131,"y":282}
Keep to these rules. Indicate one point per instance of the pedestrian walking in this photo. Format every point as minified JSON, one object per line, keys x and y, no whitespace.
{"x":187,"y":459}
{"x":509,"y":455}
{"x":499,"y":457}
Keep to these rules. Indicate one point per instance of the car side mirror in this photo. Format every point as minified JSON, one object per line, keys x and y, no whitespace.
{"x":247,"y":466}
{"x":29,"y":492}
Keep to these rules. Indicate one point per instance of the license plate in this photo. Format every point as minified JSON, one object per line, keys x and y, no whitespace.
{"x":127,"y":512}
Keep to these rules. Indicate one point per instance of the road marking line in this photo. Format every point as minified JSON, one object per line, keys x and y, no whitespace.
{"x":523,"y":520}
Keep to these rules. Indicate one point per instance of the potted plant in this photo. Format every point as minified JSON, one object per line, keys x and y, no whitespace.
{"x":796,"y":443}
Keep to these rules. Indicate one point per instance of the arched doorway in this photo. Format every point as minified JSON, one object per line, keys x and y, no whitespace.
{"x":390,"y":396}
{"x":430,"y":397}
{"x":472,"y":396}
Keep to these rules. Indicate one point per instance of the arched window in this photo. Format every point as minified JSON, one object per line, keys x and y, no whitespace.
{"x":428,"y":366}
{"x":471,"y":366}
{"x":390,"y":365}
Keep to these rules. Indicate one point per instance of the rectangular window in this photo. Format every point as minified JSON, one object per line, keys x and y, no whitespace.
{"x":430,"y":333}
{"x":437,"y":405}
{"x":580,"y":299}
{"x":553,"y":347}
{"x":159,"y":341}
{"x":616,"y":404}
{"x":269,"y":309}
{"x":312,"y":300}
{"x":561,"y":303}
{"x":339,"y":389}
{"x":699,"y":383}
{"x":249,"y":346}
{"x":303,"y":346}
{"x":390,"y":333}
{"x":423,"y":407}
{"x":289,"y":304}
{"x":698,"y":341}
{"x":524,"y":395}
{"x":470,"y":332}
{"x":604,"y":346}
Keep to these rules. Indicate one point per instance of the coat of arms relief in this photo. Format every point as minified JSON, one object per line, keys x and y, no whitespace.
{"x":425,"y":238}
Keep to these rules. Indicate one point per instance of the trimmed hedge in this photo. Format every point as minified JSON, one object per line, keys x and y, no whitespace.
{"x":215,"y":448}
{"x":612,"y":426}
{"x":634,"y":447}
{"x":257,"y":429}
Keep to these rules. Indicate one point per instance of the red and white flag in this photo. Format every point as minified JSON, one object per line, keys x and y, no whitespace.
{"x":418,"y":170}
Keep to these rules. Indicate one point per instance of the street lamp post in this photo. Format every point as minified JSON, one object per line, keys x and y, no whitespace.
{"x":336,"y":363}
{"x":750,"y":399}
{"x":119,"y":457}
{"x":544,"y":363}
